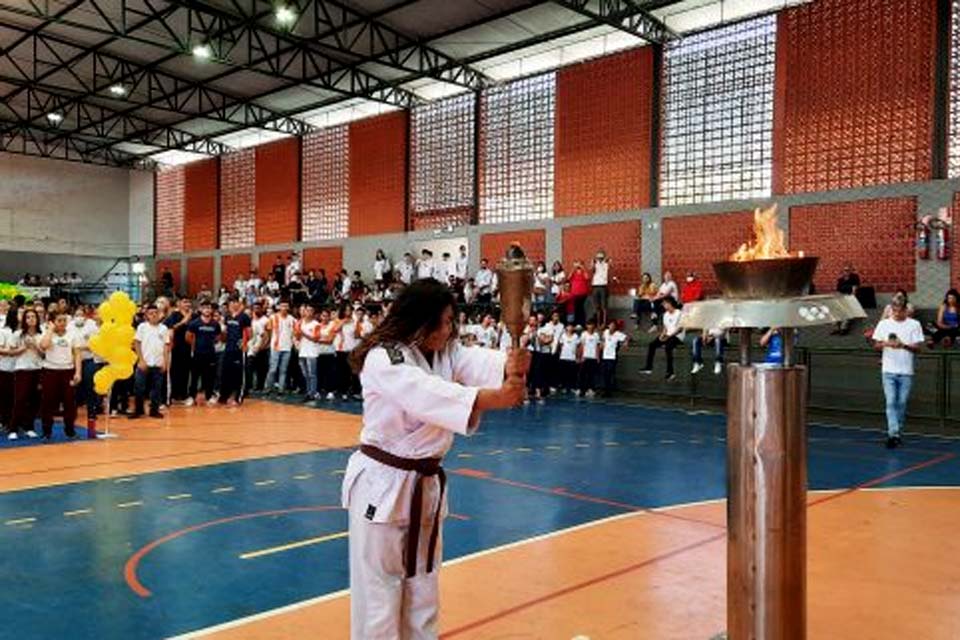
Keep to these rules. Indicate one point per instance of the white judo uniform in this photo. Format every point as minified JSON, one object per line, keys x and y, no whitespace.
{"x":411,"y":410}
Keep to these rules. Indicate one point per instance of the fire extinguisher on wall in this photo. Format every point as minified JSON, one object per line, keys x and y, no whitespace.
{"x":923,"y":240}
{"x":942,"y":230}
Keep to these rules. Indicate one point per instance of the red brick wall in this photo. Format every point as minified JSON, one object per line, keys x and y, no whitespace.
{"x":493,"y":246}
{"x":855,"y":94}
{"x":174,"y":266}
{"x":874,"y":235}
{"x":278,"y":191}
{"x":200,"y":192}
{"x":602,"y":152}
{"x":694,"y":243}
{"x":233,"y":265}
{"x":169,"y":214}
{"x":377,"y":174}
{"x":199,"y":272}
{"x":621,"y":241}
{"x":328,"y":258}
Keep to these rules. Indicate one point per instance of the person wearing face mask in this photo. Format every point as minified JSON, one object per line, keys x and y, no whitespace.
{"x":83,"y":329}
{"x":692,"y":289}
{"x":395,"y":487}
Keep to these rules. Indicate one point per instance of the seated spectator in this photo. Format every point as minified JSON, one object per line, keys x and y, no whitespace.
{"x":772,"y":341}
{"x":947,"y":326}
{"x":667,"y":288}
{"x":643,"y":302}
{"x":669,"y":338}
{"x":692,"y":289}
{"x":847,"y":284}
{"x":716,"y":337}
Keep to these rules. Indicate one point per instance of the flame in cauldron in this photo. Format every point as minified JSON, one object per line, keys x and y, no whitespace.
{"x":768,"y":242}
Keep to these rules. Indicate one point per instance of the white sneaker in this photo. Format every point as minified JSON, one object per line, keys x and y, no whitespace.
{"x":717,"y":368}
{"x":576,"y":392}
{"x":189,"y":402}
{"x":13,"y":436}
{"x":331,"y":396}
{"x":590,"y":393}
{"x":697,"y":366}
{"x":31,"y":433}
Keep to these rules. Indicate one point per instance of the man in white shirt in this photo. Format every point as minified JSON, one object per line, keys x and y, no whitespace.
{"x":405,"y":269}
{"x":613,"y":340}
{"x":152,"y":345}
{"x":898,"y":338}
{"x":293,"y":265}
{"x":600,"y":282}
{"x":462,"y":266}
{"x":240,"y":285}
{"x":444,"y":268}
{"x":669,"y":338}
{"x":281,"y":343}
{"x":425,"y":265}
{"x":484,"y":283}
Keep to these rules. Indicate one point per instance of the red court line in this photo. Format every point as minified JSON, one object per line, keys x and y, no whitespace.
{"x":130,"y":568}
{"x":670,"y":554}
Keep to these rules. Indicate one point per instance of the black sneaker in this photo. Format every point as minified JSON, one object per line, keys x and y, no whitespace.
{"x":892,"y":442}
{"x":155,"y":414}
{"x":135,"y":415}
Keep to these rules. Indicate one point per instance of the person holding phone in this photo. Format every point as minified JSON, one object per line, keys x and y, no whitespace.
{"x":898,"y":338}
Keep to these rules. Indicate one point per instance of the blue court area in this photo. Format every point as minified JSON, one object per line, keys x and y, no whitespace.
{"x":159,"y":554}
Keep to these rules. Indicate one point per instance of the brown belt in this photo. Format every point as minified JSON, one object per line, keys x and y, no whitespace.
{"x":424,"y":468}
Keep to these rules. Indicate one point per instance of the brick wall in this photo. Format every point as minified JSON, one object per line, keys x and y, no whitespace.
{"x":328,"y":258}
{"x":233,"y":265}
{"x":620,"y":240}
{"x":200,"y":205}
{"x":378,"y":148}
{"x":602,"y":153}
{"x":874,"y":235}
{"x":238,"y":180}
{"x":855,"y":94}
{"x":169,"y":210}
{"x":694,"y":243}
{"x":493,"y":246}
{"x":278,"y":191}
{"x":267,"y":259}
{"x":199,"y":272}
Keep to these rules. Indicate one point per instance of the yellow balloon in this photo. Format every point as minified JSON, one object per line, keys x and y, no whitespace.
{"x":106,"y":312}
{"x":103,"y":380}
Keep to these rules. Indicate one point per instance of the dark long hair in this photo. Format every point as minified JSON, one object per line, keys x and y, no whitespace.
{"x":414,"y":315}
{"x":13,"y":318}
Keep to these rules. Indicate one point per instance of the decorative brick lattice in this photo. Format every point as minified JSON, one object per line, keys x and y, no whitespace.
{"x":717,"y":114}
{"x":238,"y":199}
{"x":199,"y":273}
{"x":442,"y":171}
{"x":954,"y":132}
{"x":170,"y":198}
{"x":621,"y":242}
{"x":694,"y":243}
{"x":855,"y":94}
{"x":325,"y":201}
{"x":517,"y":150}
{"x":876,"y":236}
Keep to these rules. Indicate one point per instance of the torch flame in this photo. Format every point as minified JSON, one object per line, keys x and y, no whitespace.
{"x":768,"y":241}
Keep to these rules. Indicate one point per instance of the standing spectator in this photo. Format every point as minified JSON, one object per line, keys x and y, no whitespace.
{"x":151,"y":344}
{"x":166,"y":282}
{"x":555,"y":326}
{"x":462,"y":267}
{"x":557,"y":278}
{"x":61,"y":375}
{"x":26,"y":377}
{"x":180,"y":359}
{"x":888,"y":310}
{"x":281,"y":343}
{"x":405,"y":269}
{"x":258,"y":350}
{"x":381,"y":268}
{"x":327,"y":352}
{"x":600,"y":282}
{"x":580,"y":290}
{"x":254,"y":280}
{"x":237,"y":334}
{"x":948,"y":319}
{"x":444,"y":269}
{"x":293,"y":266}
{"x":484,"y":284}
{"x":203,"y":334}
{"x":643,"y":303}
{"x":346,"y":285}
{"x":848,"y":284}
{"x":8,"y":363}
{"x":570,"y":357}
{"x":613,"y":341}
{"x":899,"y":338}
{"x":425,"y":265}
{"x":84,"y":328}
{"x":566,"y":304}
{"x":486,"y":333}
{"x":590,"y":359}
{"x":541,"y":286}
{"x":279,"y":272}
{"x":239,"y":285}
{"x":355,"y":329}
{"x":692,"y":289}
{"x":668,"y":339}
{"x":307,"y":330}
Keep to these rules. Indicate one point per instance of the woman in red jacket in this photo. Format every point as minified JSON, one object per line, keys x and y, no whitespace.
{"x":580,"y":290}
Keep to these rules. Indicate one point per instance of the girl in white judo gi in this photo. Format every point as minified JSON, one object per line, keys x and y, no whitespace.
{"x":420,"y":387}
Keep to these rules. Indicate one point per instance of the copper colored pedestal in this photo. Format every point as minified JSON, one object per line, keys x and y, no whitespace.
{"x":766,"y":506}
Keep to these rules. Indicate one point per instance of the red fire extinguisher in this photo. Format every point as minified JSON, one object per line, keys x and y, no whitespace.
{"x":942,"y":230}
{"x":923,"y":240}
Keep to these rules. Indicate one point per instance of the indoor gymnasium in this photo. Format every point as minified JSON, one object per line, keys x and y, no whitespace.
{"x":479,"y":319}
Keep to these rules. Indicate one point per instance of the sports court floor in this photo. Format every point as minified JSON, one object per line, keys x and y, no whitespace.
{"x":577,"y":518}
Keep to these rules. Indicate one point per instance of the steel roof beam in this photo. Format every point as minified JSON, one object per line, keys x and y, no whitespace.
{"x":627,"y":15}
{"x":25,"y":139}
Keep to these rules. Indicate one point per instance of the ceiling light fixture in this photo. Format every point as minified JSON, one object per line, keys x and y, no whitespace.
{"x":55,"y":118}
{"x":285,"y":15}
{"x":118,"y":90}
{"x":202,"y":51}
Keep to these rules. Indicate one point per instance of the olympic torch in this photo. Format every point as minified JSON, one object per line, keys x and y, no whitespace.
{"x":515,"y":276}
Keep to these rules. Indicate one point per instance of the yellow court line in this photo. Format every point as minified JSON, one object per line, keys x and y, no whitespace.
{"x":180,"y":496}
{"x":125,"y":505}
{"x":263,"y":483}
{"x":78,"y":512}
{"x":20,"y":521}
{"x":293,"y":545}
{"x":222,"y":490}
{"x":303,"y":476}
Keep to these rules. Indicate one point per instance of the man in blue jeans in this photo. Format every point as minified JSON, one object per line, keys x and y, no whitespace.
{"x":899,"y":338}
